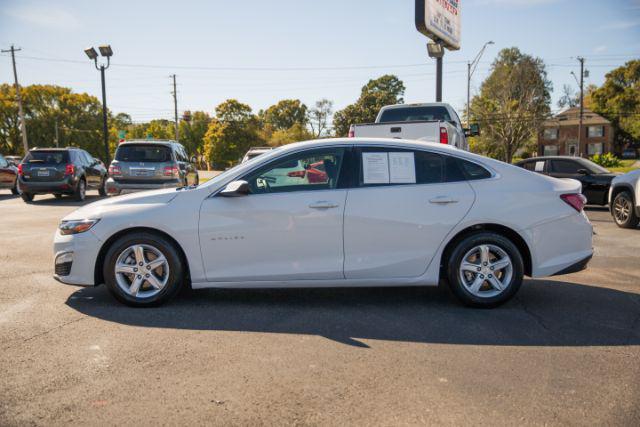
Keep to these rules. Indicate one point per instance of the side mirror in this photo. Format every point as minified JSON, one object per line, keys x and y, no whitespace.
{"x":236,"y":189}
{"x":583,"y":172}
{"x":474,"y":130}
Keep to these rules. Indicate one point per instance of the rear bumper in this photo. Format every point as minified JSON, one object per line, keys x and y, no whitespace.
{"x":67,"y":185}
{"x":116,"y":187}
{"x":574,"y":268}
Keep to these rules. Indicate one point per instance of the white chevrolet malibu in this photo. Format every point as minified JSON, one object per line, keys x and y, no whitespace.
{"x":360,"y":212}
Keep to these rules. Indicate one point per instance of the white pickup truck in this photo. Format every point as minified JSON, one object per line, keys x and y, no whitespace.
{"x":434,"y":122}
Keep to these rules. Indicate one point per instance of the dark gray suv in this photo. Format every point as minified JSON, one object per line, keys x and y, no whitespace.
{"x":148,"y":165}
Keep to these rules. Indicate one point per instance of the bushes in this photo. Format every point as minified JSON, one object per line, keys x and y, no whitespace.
{"x":606,"y":160}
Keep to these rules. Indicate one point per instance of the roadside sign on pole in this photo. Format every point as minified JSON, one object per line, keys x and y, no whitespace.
{"x":440,"y":21}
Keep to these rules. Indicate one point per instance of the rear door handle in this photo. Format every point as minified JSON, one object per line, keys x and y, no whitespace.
{"x":323,"y":204}
{"x":442,"y":200}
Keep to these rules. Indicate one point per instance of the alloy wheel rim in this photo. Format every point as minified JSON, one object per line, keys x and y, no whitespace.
{"x":486,"y":271}
{"x":621,"y":209}
{"x":141,"y":271}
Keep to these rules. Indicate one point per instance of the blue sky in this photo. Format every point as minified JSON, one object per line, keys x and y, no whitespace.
{"x":260,"y":52}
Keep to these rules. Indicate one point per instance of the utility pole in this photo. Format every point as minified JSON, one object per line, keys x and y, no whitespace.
{"x":471,"y":68}
{"x":581,"y":59}
{"x":175,"y":106}
{"x":23,"y":125}
{"x":56,"y":129}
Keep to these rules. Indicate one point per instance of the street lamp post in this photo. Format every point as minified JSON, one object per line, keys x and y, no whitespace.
{"x":471,"y":68}
{"x":106,"y":52}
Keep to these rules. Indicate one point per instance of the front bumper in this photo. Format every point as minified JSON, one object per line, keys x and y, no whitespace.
{"x":117,"y":187}
{"x":67,"y":185}
{"x":76,"y":255}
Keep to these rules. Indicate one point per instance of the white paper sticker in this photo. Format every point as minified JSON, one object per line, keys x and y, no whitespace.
{"x":540,"y":166}
{"x":375,"y":168}
{"x":402,"y":168}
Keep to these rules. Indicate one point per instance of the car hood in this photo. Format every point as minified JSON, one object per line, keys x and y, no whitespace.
{"x":98,"y":209}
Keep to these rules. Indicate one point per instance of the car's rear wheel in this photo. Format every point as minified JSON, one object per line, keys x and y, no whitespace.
{"x":16,"y":189}
{"x":81,"y":190}
{"x":485,"y":270}
{"x":27,"y":197}
{"x":57,"y":195}
{"x":103,"y":187}
{"x":623,"y":211}
{"x":143,"y":270}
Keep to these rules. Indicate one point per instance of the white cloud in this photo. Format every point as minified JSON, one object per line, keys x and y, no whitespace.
{"x":600,"y":49}
{"x":44,"y":15}
{"x":620,"y":25}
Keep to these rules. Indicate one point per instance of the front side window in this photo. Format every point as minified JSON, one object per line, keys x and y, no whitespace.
{"x":305,"y":171}
{"x":565,"y":166}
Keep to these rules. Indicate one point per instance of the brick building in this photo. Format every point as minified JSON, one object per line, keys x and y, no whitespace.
{"x":559,"y":136}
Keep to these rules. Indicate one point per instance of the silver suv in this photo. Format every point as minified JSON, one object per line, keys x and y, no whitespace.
{"x":148,"y":165}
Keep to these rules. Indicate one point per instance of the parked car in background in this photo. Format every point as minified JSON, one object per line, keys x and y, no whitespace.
{"x":14,"y":160}
{"x":150,"y":164}
{"x":388,"y":213}
{"x":60,"y":171}
{"x":8,"y":175}
{"x":255,"y":152}
{"x":433,"y":122}
{"x":629,"y":153}
{"x":594,"y":178}
{"x":624,"y":199}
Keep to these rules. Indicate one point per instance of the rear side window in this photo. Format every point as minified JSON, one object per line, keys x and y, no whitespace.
{"x":143,"y":153}
{"x":473,"y":171}
{"x":383,"y":166}
{"x":47,"y":157}
{"x":415,"y":114}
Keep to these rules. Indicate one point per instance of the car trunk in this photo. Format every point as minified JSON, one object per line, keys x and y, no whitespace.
{"x":45,"y":166}
{"x":142,"y":162}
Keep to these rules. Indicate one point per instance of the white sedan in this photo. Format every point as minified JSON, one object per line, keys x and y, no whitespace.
{"x":377,"y":212}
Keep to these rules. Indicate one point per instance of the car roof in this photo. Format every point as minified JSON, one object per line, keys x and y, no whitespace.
{"x":165,"y":142}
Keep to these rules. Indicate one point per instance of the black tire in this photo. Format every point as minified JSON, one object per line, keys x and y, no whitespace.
{"x":170,"y":252}
{"x":80,"y":193}
{"x":15,"y":190}
{"x":462,"y":292}
{"x":57,"y":195}
{"x":623,"y":211}
{"x":103,"y":187}
{"x":27,"y":197}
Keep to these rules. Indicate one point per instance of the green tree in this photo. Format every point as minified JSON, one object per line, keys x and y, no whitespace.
{"x":284,"y":114}
{"x":618,"y":99}
{"x":318,"y":117}
{"x":385,"y":90}
{"x":512,"y":104}
{"x":296,"y":133}
{"x":193,"y":128}
{"x":230,"y":134}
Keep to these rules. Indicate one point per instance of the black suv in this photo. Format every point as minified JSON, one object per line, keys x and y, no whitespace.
{"x":60,"y":171}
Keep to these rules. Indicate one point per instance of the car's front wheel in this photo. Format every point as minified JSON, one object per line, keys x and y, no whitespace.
{"x":623,"y":211}
{"x":143,"y":270}
{"x":485,"y":269}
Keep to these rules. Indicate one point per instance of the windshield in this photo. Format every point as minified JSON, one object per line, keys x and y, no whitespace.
{"x":595,"y":168}
{"x":143,"y":153}
{"x":414,"y":114}
{"x":47,"y":157}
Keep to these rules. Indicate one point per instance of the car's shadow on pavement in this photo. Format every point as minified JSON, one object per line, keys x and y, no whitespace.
{"x":65,"y":201}
{"x":544,"y":313}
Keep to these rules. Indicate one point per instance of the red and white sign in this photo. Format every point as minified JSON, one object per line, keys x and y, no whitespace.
{"x":440,"y":21}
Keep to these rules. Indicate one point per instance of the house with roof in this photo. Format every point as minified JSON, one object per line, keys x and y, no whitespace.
{"x":559,"y":134}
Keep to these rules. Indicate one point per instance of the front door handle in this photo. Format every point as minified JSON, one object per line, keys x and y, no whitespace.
{"x":323,"y":204}
{"x":442,"y":200}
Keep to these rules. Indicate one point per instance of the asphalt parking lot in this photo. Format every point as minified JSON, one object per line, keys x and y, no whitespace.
{"x":565,"y":351}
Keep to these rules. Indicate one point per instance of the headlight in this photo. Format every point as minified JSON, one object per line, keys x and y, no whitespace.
{"x":76,"y":226}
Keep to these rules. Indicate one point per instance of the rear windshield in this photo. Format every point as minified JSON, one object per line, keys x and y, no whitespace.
{"x":415,"y":114}
{"x":143,"y":153}
{"x":47,"y":157}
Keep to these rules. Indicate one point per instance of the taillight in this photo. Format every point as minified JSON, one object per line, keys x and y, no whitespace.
{"x":20,"y":171}
{"x":444,"y":136}
{"x":115,"y":170}
{"x":576,"y":201}
{"x":352,"y":132}
{"x":69,"y":169}
{"x":171,"y":171}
